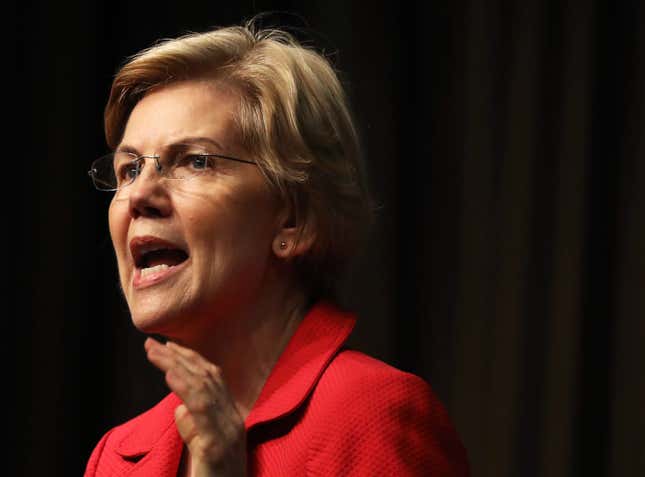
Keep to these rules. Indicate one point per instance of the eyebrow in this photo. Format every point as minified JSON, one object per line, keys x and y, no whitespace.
{"x":185,"y":141}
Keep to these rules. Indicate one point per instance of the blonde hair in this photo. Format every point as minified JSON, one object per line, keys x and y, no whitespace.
{"x":293,"y":119}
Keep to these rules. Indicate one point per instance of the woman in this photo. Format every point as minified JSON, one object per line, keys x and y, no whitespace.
{"x":238,"y":198}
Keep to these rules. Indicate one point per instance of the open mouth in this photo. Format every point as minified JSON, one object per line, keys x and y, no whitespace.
{"x":158,"y":260}
{"x":154,"y":257}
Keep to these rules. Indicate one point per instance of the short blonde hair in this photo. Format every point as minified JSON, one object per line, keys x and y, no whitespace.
{"x":293,"y":118}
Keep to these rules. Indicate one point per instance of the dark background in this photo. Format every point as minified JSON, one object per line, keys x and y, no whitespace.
{"x":505,"y":143}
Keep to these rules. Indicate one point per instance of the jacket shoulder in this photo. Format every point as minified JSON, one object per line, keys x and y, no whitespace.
{"x":376,"y":418}
{"x":352,"y":373}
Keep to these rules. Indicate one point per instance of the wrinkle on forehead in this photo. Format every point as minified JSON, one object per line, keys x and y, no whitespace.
{"x":186,"y":109}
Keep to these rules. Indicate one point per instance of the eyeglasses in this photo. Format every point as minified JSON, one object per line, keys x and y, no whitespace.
{"x":117,"y":170}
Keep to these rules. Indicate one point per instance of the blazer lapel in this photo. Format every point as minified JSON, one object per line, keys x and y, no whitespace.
{"x":154,"y":446}
{"x":318,"y":338}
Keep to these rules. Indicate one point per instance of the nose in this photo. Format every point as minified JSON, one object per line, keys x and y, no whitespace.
{"x":148,"y":195}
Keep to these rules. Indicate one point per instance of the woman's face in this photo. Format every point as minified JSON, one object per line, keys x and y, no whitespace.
{"x":215,"y":233}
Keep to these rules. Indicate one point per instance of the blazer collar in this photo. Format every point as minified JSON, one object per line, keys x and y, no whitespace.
{"x":314,"y":344}
{"x":316,"y":340}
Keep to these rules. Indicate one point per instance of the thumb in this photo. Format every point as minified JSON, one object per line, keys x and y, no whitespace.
{"x":185,"y":424}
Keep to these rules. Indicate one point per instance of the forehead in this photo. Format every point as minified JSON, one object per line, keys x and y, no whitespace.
{"x":183,"y":109}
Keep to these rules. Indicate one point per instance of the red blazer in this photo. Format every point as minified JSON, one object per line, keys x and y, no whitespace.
{"x":324,"y":410}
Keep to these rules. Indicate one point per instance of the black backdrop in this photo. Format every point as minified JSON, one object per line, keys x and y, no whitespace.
{"x":505,"y":145}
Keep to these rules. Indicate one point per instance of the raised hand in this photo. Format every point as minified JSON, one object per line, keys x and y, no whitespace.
{"x":208,"y":420}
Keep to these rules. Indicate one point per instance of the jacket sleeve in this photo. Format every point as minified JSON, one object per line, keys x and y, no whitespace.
{"x":386,"y":424}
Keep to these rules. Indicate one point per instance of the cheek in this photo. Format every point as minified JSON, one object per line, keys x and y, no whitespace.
{"x":230,"y":211}
{"x":234,"y":230}
{"x":117,"y":222}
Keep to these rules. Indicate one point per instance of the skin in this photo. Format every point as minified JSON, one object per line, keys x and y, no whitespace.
{"x":230,"y":309}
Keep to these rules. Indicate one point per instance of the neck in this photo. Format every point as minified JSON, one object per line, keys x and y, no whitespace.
{"x":248,"y":342}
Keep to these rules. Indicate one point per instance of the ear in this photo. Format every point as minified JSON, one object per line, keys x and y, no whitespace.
{"x":291,"y":242}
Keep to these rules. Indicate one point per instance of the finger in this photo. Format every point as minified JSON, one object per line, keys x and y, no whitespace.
{"x":204,"y":419}
{"x":195,"y":364}
{"x":160,"y":356}
{"x":199,"y":391}
{"x":192,"y":359}
{"x":200,"y":366}
{"x":200,"y":416}
{"x":165,"y":358}
{"x":205,"y":440}
{"x":195,"y":386}
{"x":158,"y":353}
{"x":201,"y":394}
{"x":150,"y":342}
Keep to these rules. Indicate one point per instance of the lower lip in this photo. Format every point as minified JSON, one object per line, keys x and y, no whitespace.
{"x":139,"y":282}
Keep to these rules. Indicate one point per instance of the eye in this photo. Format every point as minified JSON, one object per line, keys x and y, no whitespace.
{"x":130,"y":171}
{"x":200,"y":162}
{"x":195,"y":162}
{"x":192,"y":164}
{"x":127,"y":169}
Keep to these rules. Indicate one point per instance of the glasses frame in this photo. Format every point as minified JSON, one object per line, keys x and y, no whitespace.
{"x":138,"y":159}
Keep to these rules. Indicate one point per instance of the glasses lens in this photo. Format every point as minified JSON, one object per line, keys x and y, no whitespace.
{"x":189,"y":165}
{"x":113,"y":171}
{"x":102,"y":173}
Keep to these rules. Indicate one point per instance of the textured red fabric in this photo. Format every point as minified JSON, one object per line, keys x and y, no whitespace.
{"x":323,"y":411}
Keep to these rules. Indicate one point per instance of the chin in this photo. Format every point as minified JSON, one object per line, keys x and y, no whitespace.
{"x":155,"y":322}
